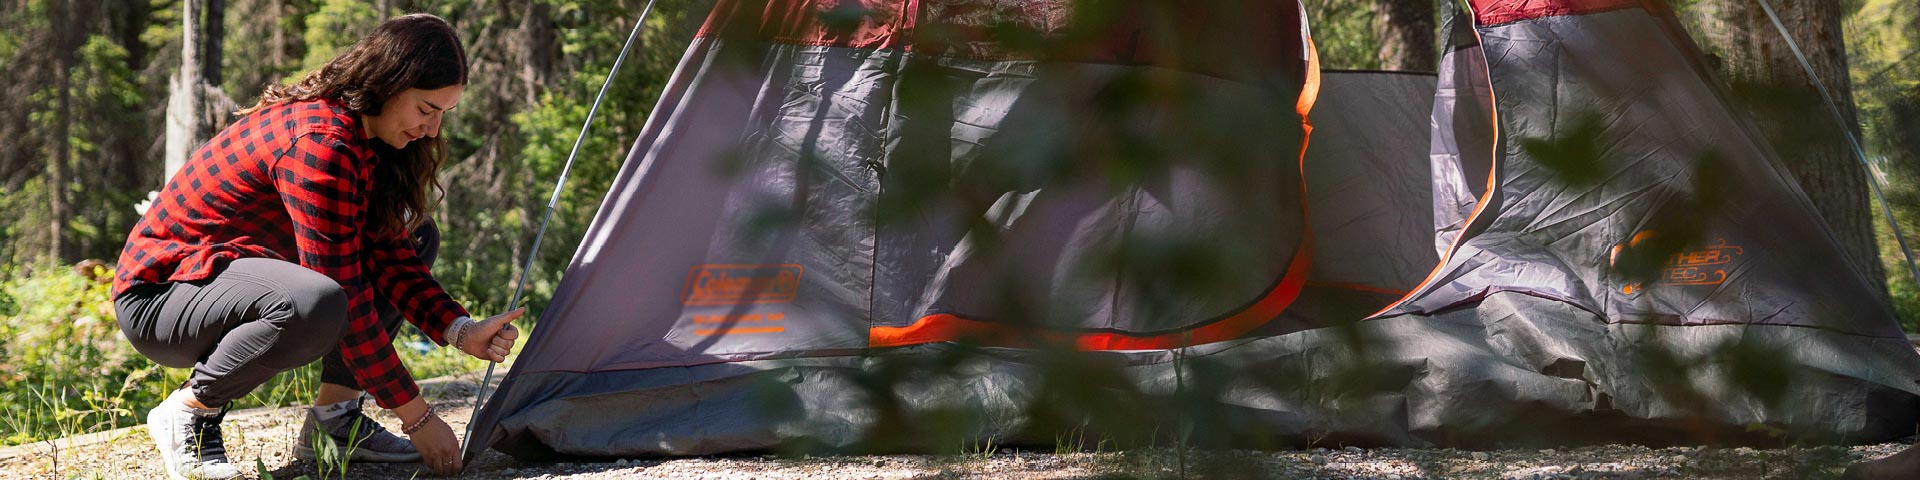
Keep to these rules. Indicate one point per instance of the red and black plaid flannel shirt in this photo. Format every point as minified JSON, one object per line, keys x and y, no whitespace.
{"x":290,"y":182}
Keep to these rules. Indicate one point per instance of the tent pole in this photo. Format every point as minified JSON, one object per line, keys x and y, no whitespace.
{"x":1873,"y":177}
{"x":559,"y":186}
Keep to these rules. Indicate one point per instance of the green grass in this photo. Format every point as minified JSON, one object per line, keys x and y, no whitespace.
{"x":66,"y":370}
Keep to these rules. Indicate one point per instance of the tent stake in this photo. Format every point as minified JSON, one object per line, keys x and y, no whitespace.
{"x":559,"y":186}
{"x":1873,"y":178}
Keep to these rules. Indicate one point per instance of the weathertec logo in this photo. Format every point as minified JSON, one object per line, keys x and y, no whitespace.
{"x":1701,"y":267}
{"x":1707,"y":266}
{"x":738,"y":284}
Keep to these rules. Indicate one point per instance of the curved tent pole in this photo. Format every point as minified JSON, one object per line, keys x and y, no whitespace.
{"x":560,"y":185}
{"x":1874,"y":179}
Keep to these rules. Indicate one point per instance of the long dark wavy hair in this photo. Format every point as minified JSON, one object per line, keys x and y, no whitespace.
{"x":412,"y":51}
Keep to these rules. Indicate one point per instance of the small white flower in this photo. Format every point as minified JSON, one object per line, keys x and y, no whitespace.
{"x":142,"y":207}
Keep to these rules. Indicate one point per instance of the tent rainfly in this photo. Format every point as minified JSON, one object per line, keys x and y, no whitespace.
{"x":823,"y":193}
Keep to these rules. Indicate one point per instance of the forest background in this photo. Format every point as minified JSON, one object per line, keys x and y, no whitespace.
{"x":96,"y":96}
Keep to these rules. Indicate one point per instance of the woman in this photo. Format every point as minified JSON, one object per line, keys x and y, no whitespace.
{"x":284,"y":236}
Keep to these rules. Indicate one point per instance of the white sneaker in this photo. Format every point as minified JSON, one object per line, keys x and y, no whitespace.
{"x":189,"y":439}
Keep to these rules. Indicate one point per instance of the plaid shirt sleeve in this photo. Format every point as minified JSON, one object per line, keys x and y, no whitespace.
{"x":321,"y":180}
{"x":402,"y":276}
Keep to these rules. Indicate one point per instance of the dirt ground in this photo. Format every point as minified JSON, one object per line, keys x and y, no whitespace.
{"x":267,"y":435}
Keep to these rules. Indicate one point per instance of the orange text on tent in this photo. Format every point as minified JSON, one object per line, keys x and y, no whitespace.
{"x":1701,"y":267}
{"x":1705,"y":266}
{"x":734,"y":324}
{"x":747,"y":318}
{"x":736,"y":284}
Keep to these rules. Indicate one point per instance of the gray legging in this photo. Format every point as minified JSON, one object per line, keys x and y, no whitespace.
{"x":253,"y":319}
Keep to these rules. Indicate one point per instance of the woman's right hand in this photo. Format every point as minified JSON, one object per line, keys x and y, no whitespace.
{"x":492,"y":339}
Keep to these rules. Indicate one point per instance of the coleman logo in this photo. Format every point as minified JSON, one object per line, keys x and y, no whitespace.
{"x":738,"y":284}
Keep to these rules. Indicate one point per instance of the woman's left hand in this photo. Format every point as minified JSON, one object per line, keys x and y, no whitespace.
{"x":492,"y":339}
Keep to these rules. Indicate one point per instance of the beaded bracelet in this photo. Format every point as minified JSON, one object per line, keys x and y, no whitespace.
{"x":418,"y":424}
{"x":460,"y":331}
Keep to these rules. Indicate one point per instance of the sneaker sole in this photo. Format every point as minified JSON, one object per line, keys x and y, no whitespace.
{"x":304,"y":452}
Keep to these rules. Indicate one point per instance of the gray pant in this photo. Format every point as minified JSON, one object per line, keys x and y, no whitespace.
{"x":253,"y":319}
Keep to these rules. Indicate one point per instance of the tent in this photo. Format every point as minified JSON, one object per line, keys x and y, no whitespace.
{"x":1175,"y":197}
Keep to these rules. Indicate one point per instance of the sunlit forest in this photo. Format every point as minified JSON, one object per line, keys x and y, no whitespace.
{"x":89,"y":85}
{"x":103,"y":98}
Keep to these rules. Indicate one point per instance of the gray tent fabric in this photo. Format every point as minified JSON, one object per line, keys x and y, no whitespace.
{"x":1462,"y":148}
{"x":1632,"y":195}
{"x":1662,"y":165}
{"x":812,"y":186}
{"x":820,"y":204}
{"x":1368,"y":206}
{"x":780,"y":168}
{"x":1489,"y":376}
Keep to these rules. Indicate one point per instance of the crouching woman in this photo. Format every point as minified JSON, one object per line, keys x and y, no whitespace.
{"x":297,"y":233}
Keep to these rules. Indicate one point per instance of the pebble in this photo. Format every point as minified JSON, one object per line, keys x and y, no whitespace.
{"x":1482,"y":456}
{"x":1352,"y":449}
{"x":1318,"y":459}
{"x":621,"y":462}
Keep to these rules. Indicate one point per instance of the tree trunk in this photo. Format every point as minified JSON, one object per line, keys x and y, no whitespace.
{"x":279,"y":47}
{"x":134,"y":155}
{"x":184,"y":99}
{"x":1790,"y":110}
{"x":1407,"y":35}
{"x":539,"y":50}
{"x":62,"y":142}
{"x":215,"y":20}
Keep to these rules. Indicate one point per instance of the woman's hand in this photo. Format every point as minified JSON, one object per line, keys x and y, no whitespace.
{"x":492,"y":339}
{"x":439,"y":449}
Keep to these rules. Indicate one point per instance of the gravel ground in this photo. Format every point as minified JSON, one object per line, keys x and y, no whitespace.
{"x":267,"y":435}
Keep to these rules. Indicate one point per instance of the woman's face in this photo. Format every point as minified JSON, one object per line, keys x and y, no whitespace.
{"x":411,"y":115}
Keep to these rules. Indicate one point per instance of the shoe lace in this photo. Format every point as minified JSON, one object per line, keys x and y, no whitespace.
{"x":355,"y":425}
{"x":206,"y":443}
